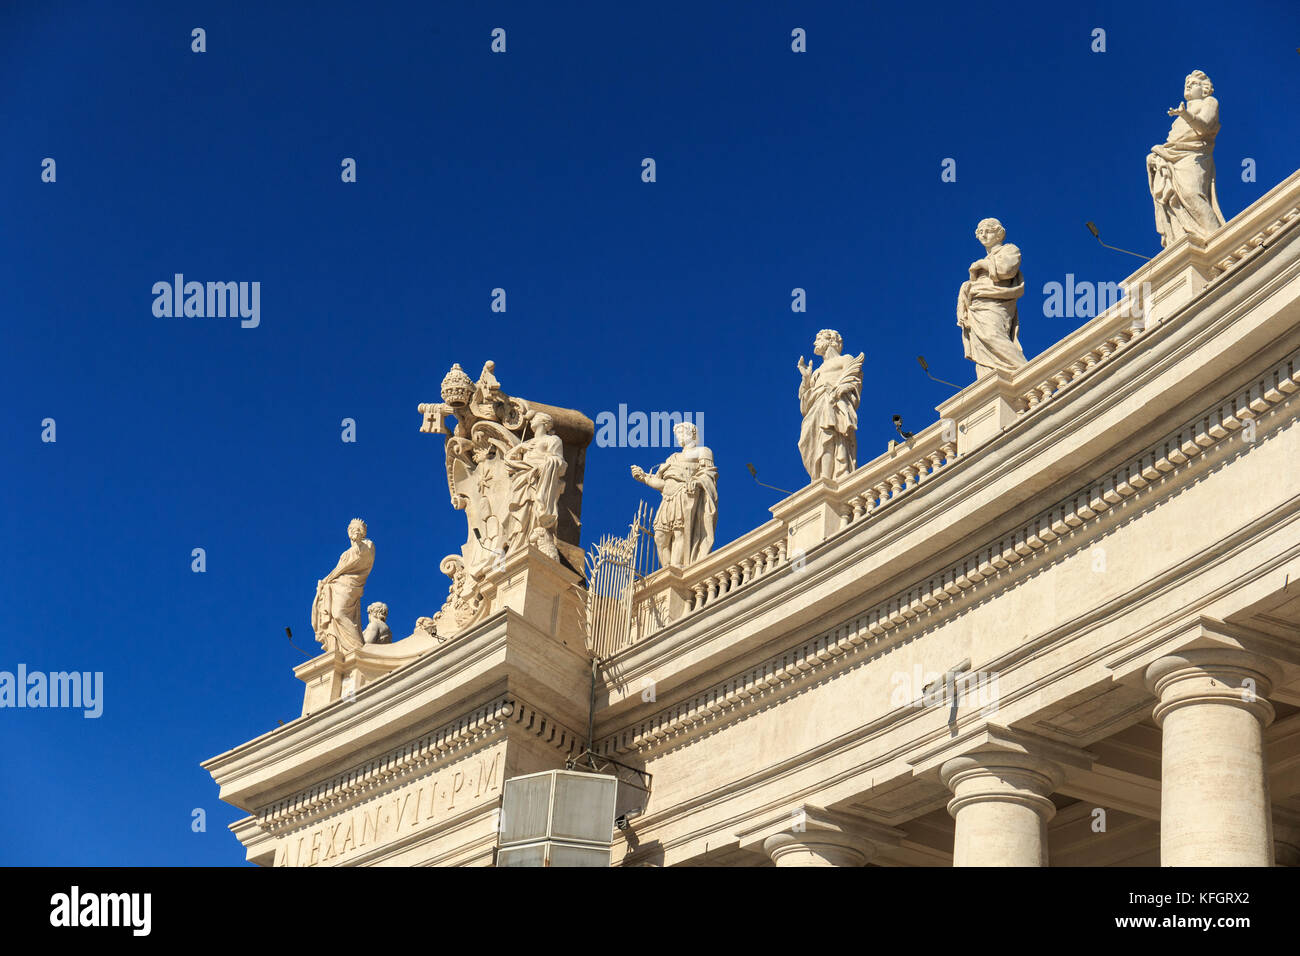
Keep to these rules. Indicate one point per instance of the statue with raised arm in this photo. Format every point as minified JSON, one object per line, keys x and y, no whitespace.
{"x":1180,"y":171}
{"x":536,"y":471}
{"x":687,"y":519}
{"x":986,"y":304}
{"x":828,"y":399}
{"x":336,"y":611}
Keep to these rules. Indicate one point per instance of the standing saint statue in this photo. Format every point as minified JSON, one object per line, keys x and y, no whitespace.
{"x":536,"y":468}
{"x":986,"y":304}
{"x":1180,"y":172}
{"x":828,"y":399}
{"x":336,"y":611}
{"x":687,"y":519}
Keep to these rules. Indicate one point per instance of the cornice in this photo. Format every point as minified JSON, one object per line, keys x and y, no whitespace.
{"x":342,"y":717}
{"x":503,"y":655}
{"x":1095,"y":419}
{"x":970,"y":729}
{"x":465,"y":735}
{"x":1005,"y":557}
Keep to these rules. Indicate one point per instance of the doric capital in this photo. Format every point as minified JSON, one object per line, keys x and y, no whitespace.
{"x":1001,"y":776}
{"x":1228,"y":676}
{"x":812,"y":836}
{"x":815,"y":847}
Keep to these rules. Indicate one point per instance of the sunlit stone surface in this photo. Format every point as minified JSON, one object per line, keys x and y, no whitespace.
{"x":1059,"y":625}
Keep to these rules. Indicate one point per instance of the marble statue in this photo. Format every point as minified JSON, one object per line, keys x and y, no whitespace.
{"x":377,"y":631}
{"x":508,"y":486}
{"x":536,"y":468}
{"x":986,"y":304}
{"x":687,"y":520}
{"x":828,"y":399}
{"x":1180,"y":171}
{"x":336,"y":611}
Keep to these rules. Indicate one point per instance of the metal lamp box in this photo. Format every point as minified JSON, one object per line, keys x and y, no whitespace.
{"x":557,"y":818}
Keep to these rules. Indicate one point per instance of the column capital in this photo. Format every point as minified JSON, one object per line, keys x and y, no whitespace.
{"x":1286,"y":837}
{"x":1218,"y":675}
{"x":1001,"y":802}
{"x":1002,"y":776}
{"x":813,"y":836}
{"x":815,"y":847}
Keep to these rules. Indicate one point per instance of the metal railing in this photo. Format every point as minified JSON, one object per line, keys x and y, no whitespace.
{"x":615,"y":568}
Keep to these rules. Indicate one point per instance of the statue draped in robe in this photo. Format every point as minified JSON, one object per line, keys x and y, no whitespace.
{"x":986,"y":304}
{"x":336,"y":610}
{"x":828,"y":399}
{"x":1180,"y":172}
{"x":687,"y":520}
{"x":536,"y":468}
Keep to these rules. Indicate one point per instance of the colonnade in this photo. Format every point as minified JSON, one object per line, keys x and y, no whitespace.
{"x":1211,"y":706}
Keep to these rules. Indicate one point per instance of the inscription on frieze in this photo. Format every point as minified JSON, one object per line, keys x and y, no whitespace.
{"x":419,"y":805}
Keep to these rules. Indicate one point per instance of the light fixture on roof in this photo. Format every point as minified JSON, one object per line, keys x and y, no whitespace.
{"x":926,"y":369}
{"x":754,"y":474}
{"x":1092,"y":228}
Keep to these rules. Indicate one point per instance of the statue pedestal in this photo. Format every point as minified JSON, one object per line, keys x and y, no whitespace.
{"x":981,"y":411}
{"x":541,"y":590}
{"x":1171,"y":280}
{"x":812,"y":514}
{"x":403,"y":749}
{"x":664,"y":598}
{"x":336,"y":674}
{"x":323,"y":676}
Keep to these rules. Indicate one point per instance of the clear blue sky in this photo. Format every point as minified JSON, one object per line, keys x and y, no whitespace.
{"x":522,"y":171}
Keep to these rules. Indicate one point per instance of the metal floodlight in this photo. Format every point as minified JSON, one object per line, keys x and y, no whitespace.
{"x":754,"y":474}
{"x":926,"y":369}
{"x":289,"y":634}
{"x":1096,"y":234}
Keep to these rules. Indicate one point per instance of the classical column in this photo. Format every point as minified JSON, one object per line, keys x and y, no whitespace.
{"x":1286,"y":838}
{"x":815,"y":847}
{"x":1001,"y":804}
{"x":809,"y":835}
{"x":1212,"y":711}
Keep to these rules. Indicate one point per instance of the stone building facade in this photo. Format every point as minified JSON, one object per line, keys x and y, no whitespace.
{"x":1056,"y":627}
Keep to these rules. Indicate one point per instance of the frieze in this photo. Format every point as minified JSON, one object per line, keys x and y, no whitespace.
{"x":924,"y":599}
{"x":417,"y":806}
{"x":456,"y":738}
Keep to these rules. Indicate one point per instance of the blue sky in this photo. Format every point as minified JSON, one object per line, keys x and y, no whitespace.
{"x":476,"y":170}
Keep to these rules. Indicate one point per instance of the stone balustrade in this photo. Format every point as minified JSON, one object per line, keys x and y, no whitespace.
{"x":1153,"y":294}
{"x":906,"y":465}
{"x":670,"y":594}
{"x":978,"y":414}
{"x":1116,"y":330}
